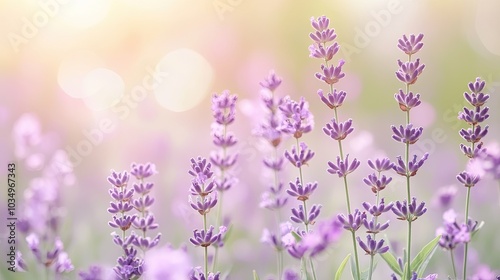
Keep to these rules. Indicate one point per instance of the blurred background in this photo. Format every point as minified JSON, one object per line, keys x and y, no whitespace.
{"x":116,"y":82}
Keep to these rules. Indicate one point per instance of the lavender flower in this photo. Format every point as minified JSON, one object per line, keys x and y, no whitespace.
{"x":325,"y":233}
{"x":474,"y":135}
{"x":94,"y":273}
{"x":472,"y":152}
{"x":343,"y":167}
{"x":196,"y":274}
{"x":408,"y":134}
{"x":408,"y":72}
{"x":411,"y":45}
{"x":338,"y":131}
{"x":272,"y":201}
{"x":275,"y":164}
{"x":290,"y":275}
{"x":407,"y":101}
{"x":377,"y":184}
{"x":377,"y":210}
{"x":372,"y":247}
{"x":381,"y":164}
{"x":331,"y":74}
{"x":412,"y":168}
{"x":467,"y":179}
{"x":276,"y":240}
{"x":445,"y":196}
{"x":299,"y":119}
{"x":452,"y":234}
{"x":206,"y":238}
{"x":272,"y":82}
{"x":299,"y":158}
{"x":200,"y":170}
{"x":373,"y":226}
{"x":142,"y":171}
{"x":353,"y":221}
{"x":333,"y":100}
{"x":224,"y":107}
{"x":203,"y":205}
{"x":408,"y":212}
{"x":299,"y":215}
{"x":300,"y":192}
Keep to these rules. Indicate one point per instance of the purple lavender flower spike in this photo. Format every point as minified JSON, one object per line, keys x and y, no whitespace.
{"x":331,"y":74}
{"x":411,"y":45}
{"x":474,"y":116}
{"x":476,"y":99}
{"x":323,"y":52}
{"x":477,"y":86}
{"x":274,"y":163}
{"x":299,"y":158}
{"x":474,"y":135}
{"x":118,"y":195}
{"x":197,"y":274}
{"x":94,"y":273}
{"x":272,"y":202}
{"x":300,"y":192}
{"x":452,"y":234}
{"x":381,"y":164}
{"x":323,"y":34}
{"x":338,"y":131}
{"x":146,"y":243}
{"x":122,"y":223}
{"x":313,"y":214}
{"x":407,"y":101}
{"x":272,"y":82}
{"x":298,"y":215}
{"x":297,"y":250}
{"x":290,"y":275}
{"x":353,"y":221}
{"x":203,"y":206}
{"x":222,"y":161}
{"x":373,"y":227}
{"x":377,"y":184}
{"x":409,"y":212}
{"x":206,"y":238}
{"x":200,"y":170}
{"x":409,"y":71}
{"x":467,"y":150}
{"x":377,"y":210}
{"x":333,"y":100}
{"x":413,"y":165}
{"x":408,"y":134}
{"x":467,"y":179}
{"x":299,"y":119}
{"x":118,"y":180}
{"x":372,"y":247}
{"x":226,"y":141}
{"x":224,"y":107}
{"x":120,"y":207}
{"x":143,"y":188}
{"x":145,"y":223}
{"x":343,"y":168}
{"x":142,"y":171}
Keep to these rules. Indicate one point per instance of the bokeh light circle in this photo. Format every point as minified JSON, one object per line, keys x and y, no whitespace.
{"x":73,"y":70}
{"x":487,"y":23}
{"x":85,"y":14}
{"x":103,"y":88}
{"x":185,"y":82}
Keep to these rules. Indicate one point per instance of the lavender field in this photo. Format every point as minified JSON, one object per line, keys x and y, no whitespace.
{"x":237,"y":139}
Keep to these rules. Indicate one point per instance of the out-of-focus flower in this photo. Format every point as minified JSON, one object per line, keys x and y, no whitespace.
{"x":452,"y":234}
{"x":445,"y":195}
{"x":298,"y":119}
{"x":163,"y":263}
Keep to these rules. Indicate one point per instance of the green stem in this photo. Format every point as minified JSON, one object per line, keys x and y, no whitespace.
{"x":466,"y":247}
{"x":312,"y":268}
{"x":453,"y":264}
{"x":304,"y":267}
{"x":373,"y":235}
{"x":355,"y":253}
{"x":280,"y":264}
{"x":206,"y":248}
{"x":408,"y":248}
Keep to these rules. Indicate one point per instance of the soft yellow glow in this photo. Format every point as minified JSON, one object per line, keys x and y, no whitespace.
{"x":487,"y":23}
{"x":103,"y":88}
{"x":73,"y":70}
{"x":84,"y":14}
{"x":188,"y":77}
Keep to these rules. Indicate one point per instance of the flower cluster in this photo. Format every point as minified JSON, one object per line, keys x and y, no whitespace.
{"x":125,"y":200}
{"x":203,"y":188}
{"x":41,"y":211}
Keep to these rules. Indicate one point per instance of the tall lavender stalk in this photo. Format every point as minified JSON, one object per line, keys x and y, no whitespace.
{"x":204,"y":190}
{"x":273,"y":199}
{"x":474,"y":118}
{"x":377,"y":182}
{"x":224,"y":111}
{"x":408,"y":74}
{"x":325,"y":48}
{"x":299,"y":120}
